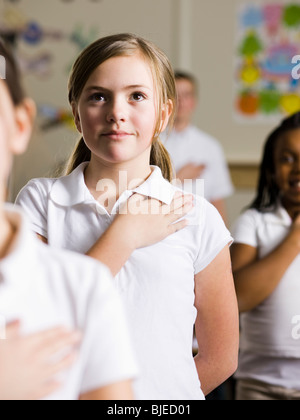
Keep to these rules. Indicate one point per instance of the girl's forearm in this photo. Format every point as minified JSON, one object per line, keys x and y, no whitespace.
{"x":112,"y":249}
{"x":257,"y":281}
{"x":212,"y":374}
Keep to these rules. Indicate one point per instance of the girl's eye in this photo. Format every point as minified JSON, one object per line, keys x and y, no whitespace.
{"x":138,"y":97}
{"x":97,"y":97}
{"x":287,"y":160}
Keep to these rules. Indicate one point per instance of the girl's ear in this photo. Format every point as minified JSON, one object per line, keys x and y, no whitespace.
{"x":167,"y":111}
{"x":24,"y":117}
{"x":76,"y":117}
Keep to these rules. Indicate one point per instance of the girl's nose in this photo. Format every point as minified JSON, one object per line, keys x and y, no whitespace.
{"x":116,"y":113}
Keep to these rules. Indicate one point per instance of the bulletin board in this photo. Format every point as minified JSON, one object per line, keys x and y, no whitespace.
{"x":267,"y":40}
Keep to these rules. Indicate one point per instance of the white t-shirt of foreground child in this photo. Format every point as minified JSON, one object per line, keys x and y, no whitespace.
{"x":46,"y":288}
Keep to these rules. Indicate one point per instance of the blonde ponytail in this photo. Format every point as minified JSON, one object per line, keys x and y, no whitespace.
{"x":80,"y":154}
{"x":161,"y":158}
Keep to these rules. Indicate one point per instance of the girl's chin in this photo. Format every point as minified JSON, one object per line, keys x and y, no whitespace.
{"x":292,"y":200}
{"x":121,"y":154}
{"x":117,"y":159}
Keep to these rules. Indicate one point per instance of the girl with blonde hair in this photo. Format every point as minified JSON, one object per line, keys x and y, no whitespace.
{"x":171,"y":276}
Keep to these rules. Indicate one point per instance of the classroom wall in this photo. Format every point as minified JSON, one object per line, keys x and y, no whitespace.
{"x":213,"y":47}
{"x":198,"y":36}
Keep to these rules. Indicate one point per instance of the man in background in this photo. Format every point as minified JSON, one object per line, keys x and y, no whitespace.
{"x":195,"y":154}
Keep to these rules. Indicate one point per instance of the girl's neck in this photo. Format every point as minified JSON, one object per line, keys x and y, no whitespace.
{"x":113,"y":179}
{"x":293,"y":210}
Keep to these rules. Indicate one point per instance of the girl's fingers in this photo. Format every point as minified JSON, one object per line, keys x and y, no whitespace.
{"x":176,"y":227}
{"x":180,"y":206}
{"x":48,"y":335}
{"x":54,"y":340}
{"x":180,"y":213}
{"x":136,"y":204}
{"x":60,"y":343}
{"x":13,"y":330}
{"x":180,"y":201}
{"x":61,"y":364}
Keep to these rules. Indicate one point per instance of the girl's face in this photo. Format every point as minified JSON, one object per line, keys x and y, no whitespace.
{"x":116,"y":112}
{"x":7,"y":131}
{"x":287,"y":163}
{"x":15,"y":131}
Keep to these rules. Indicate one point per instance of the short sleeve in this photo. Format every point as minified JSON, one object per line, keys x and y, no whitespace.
{"x":214,"y":236}
{"x":244,"y":230}
{"x":106,"y":348}
{"x":33,"y":201}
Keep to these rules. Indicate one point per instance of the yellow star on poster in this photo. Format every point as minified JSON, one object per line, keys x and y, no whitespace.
{"x":290,"y":103}
{"x":250,"y":73}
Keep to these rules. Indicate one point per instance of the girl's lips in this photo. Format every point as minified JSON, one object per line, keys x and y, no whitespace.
{"x":116,"y":135}
{"x":295,"y":185}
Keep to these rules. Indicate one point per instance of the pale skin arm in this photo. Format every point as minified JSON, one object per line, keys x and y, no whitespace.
{"x":256,"y":280}
{"x":145,"y":227}
{"x":26,"y":363}
{"x":217,"y":324}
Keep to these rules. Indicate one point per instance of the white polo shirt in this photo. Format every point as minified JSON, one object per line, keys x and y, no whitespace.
{"x":157,"y":282}
{"x":45,"y":288}
{"x":194,"y":146}
{"x":269,"y":350}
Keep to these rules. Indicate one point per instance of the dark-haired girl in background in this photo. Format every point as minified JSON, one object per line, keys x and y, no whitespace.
{"x":266,"y":265}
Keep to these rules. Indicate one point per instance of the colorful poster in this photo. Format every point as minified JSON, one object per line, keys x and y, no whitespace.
{"x":267,"y":71}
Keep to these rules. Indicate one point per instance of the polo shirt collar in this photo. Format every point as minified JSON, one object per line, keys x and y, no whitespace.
{"x":21,"y":261}
{"x":71,"y":190}
{"x":156,"y":186}
{"x":279,"y":217}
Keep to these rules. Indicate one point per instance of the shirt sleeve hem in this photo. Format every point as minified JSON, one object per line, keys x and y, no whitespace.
{"x":91,"y":386}
{"x":200,"y":267}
